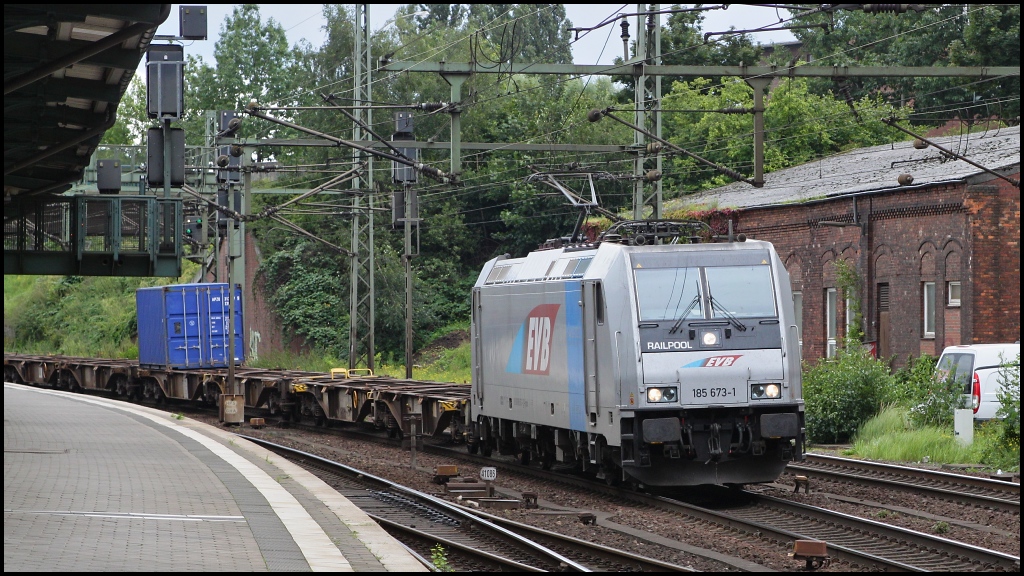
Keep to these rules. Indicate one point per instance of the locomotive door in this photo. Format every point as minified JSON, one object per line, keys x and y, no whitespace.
{"x":593,"y":315}
{"x":476,"y":358}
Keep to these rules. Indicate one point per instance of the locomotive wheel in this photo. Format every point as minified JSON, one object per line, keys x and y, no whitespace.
{"x":524,"y":457}
{"x":634,"y":485}
{"x":473,"y":448}
{"x":485,"y":451}
{"x":547,"y":460}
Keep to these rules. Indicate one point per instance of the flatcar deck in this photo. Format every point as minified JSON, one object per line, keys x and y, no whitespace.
{"x":399,"y":405}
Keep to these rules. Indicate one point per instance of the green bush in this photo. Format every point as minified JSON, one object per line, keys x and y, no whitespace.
{"x":938,"y":403}
{"x":913,"y":382}
{"x":1009,"y":410}
{"x":843,"y":392}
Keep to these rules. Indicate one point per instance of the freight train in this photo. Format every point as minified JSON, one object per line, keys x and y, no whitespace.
{"x":645,"y":358}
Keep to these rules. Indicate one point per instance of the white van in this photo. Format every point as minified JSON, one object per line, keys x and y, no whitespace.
{"x":977,"y":367}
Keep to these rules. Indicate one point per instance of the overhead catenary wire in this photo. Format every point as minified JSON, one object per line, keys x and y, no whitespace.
{"x":531,"y":138}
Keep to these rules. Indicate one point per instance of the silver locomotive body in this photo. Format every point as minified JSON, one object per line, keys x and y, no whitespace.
{"x":664,"y":365}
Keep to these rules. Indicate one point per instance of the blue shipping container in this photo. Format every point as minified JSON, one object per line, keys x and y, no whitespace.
{"x":186,"y":326}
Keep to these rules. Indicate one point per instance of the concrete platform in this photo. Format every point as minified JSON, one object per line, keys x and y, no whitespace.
{"x":92,"y":484}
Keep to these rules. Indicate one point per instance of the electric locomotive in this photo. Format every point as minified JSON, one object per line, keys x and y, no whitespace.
{"x":640,"y":358}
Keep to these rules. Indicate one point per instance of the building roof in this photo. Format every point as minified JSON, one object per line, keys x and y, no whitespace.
{"x":875,"y":169}
{"x":66,"y":68}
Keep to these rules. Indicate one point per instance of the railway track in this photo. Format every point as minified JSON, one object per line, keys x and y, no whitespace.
{"x":471,"y":540}
{"x":960,"y":488}
{"x":868,"y":543}
{"x":876,"y":545}
{"x":861,"y":542}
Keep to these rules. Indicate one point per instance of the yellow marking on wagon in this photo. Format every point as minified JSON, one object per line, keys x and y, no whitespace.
{"x":350,"y":372}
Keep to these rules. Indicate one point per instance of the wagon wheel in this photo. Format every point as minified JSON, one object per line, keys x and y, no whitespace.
{"x":319,"y":418}
{"x":121,"y":386}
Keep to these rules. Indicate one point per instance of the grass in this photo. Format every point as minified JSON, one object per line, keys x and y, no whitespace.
{"x":888,"y":436}
{"x":43,"y":314}
{"x":445,"y":365}
{"x":452,"y":365}
{"x":309,"y":361}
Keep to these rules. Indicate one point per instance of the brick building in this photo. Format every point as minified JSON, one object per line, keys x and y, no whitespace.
{"x":937,"y":258}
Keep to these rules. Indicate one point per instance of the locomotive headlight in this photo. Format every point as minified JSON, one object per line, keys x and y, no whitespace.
{"x":710,"y":338}
{"x":765,"y":391}
{"x":661,"y":395}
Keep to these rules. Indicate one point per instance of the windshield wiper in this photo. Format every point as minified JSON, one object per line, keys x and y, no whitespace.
{"x":734,"y":320}
{"x":679,"y":322}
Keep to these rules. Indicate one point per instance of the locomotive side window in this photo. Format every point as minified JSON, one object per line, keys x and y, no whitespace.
{"x":741,"y":291}
{"x":581,"y":265}
{"x":501,"y":273}
{"x":497,"y":270}
{"x":669,"y":293}
{"x":573,"y":267}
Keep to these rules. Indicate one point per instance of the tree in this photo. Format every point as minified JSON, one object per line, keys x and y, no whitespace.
{"x":445,"y":15}
{"x":524,"y":32}
{"x":253,"y":63}
{"x":132,"y":121}
{"x":938,"y":35}
{"x":799,"y":126}
{"x":683,"y":44}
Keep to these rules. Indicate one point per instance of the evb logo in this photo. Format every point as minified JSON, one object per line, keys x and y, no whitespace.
{"x":531,"y":351}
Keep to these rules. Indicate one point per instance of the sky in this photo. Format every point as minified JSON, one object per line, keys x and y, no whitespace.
{"x":304,"y":21}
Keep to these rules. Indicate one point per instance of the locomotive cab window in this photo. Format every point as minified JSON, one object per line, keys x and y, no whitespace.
{"x":669,"y":293}
{"x":741,"y":291}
